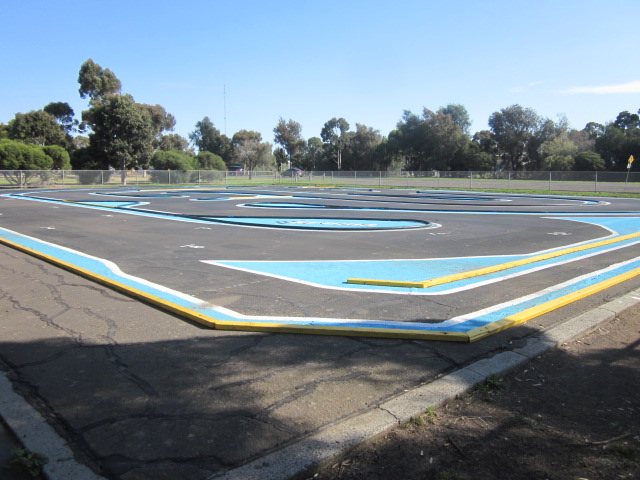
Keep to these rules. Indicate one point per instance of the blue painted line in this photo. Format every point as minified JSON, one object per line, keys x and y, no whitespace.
{"x":115,"y":204}
{"x":305,"y":206}
{"x":469,"y":322}
{"x":326,"y":223}
{"x":334,"y":274}
{"x":351,"y":224}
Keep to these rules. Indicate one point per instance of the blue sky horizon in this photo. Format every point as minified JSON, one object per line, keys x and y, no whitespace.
{"x":245,"y":64}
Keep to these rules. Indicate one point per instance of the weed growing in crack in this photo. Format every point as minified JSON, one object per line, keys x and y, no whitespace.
{"x":26,"y":461}
{"x":493,"y":383}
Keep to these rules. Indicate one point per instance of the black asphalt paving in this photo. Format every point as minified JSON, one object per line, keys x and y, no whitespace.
{"x":141,"y":393}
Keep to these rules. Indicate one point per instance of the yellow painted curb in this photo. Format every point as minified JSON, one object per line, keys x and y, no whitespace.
{"x":130,"y":291}
{"x":467,"y":337}
{"x":235,"y":325}
{"x":487,"y":270}
{"x":344,"y":331}
{"x":533,"y":312}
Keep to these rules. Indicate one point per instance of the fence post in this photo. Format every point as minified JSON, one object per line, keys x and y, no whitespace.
{"x":380,"y":178}
{"x":470,"y":179}
{"x":596,"y":185}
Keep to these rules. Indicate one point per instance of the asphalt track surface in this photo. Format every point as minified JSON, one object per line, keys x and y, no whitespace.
{"x":415,"y":264}
{"x":140,"y":391}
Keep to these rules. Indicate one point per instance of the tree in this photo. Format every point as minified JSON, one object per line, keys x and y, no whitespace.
{"x":37,"y":127}
{"x":582,"y":140}
{"x":172,"y":166}
{"x":21,"y":161}
{"x":625,"y":121}
{"x":513,"y":130}
{"x":63,"y":114}
{"x":210,"y":161}
{"x":405,"y":141}
{"x":289,"y":136}
{"x":244,"y":135}
{"x":173,"y":160}
{"x":97,"y":83}
{"x":477,"y":156}
{"x":173,"y":141}
{"x":208,"y":138}
{"x":161,"y":120}
{"x":334,"y":136}
{"x":252,"y":153}
{"x":363,"y":149}
{"x":443,"y":140}
{"x":428,"y":142}
{"x":313,"y":154}
{"x":123,"y":132}
{"x":280,"y":157}
{"x":594,"y":130}
{"x":588,"y":161}
{"x":459,"y":115}
{"x":59,"y":156}
{"x":618,"y":140}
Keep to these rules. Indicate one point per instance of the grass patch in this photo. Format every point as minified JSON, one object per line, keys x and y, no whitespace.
{"x":26,"y":461}
{"x":624,"y":450}
{"x":450,"y":475}
{"x":493,"y":383}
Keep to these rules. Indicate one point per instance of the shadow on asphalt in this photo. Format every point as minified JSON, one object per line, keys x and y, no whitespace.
{"x":196,"y":407}
{"x":562,"y":415}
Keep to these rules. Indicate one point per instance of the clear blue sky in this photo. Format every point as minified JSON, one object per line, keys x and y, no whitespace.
{"x":366,"y":61}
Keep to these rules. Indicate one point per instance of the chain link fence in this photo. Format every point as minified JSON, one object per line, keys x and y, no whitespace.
{"x":584,"y":182}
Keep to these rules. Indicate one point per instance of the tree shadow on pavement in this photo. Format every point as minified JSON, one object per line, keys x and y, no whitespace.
{"x":574,"y":412}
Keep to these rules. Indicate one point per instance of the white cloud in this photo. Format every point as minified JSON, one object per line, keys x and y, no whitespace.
{"x":631,"y":87}
{"x":522,"y":88}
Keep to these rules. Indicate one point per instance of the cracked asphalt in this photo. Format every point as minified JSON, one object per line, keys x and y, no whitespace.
{"x":138,"y":393}
{"x":141,"y":394}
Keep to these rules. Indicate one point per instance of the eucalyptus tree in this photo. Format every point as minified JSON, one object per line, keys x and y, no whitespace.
{"x":122,"y":131}
{"x":252,"y":153}
{"x":124,"y":134}
{"x":208,"y":138}
{"x":173,"y":141}
{"x":459,"y":115}
{"x":313,"y":154}
{"x":430,"y":141}
{"x":97,"y":83}
{"x":37,"y":127}
{"x":334,"y":135}
{"x":514,"y":129}
{"x":363,"y":149}
{"x":64,"y":115}
{"x":288,"y":134}
{"x":618,"y":141}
